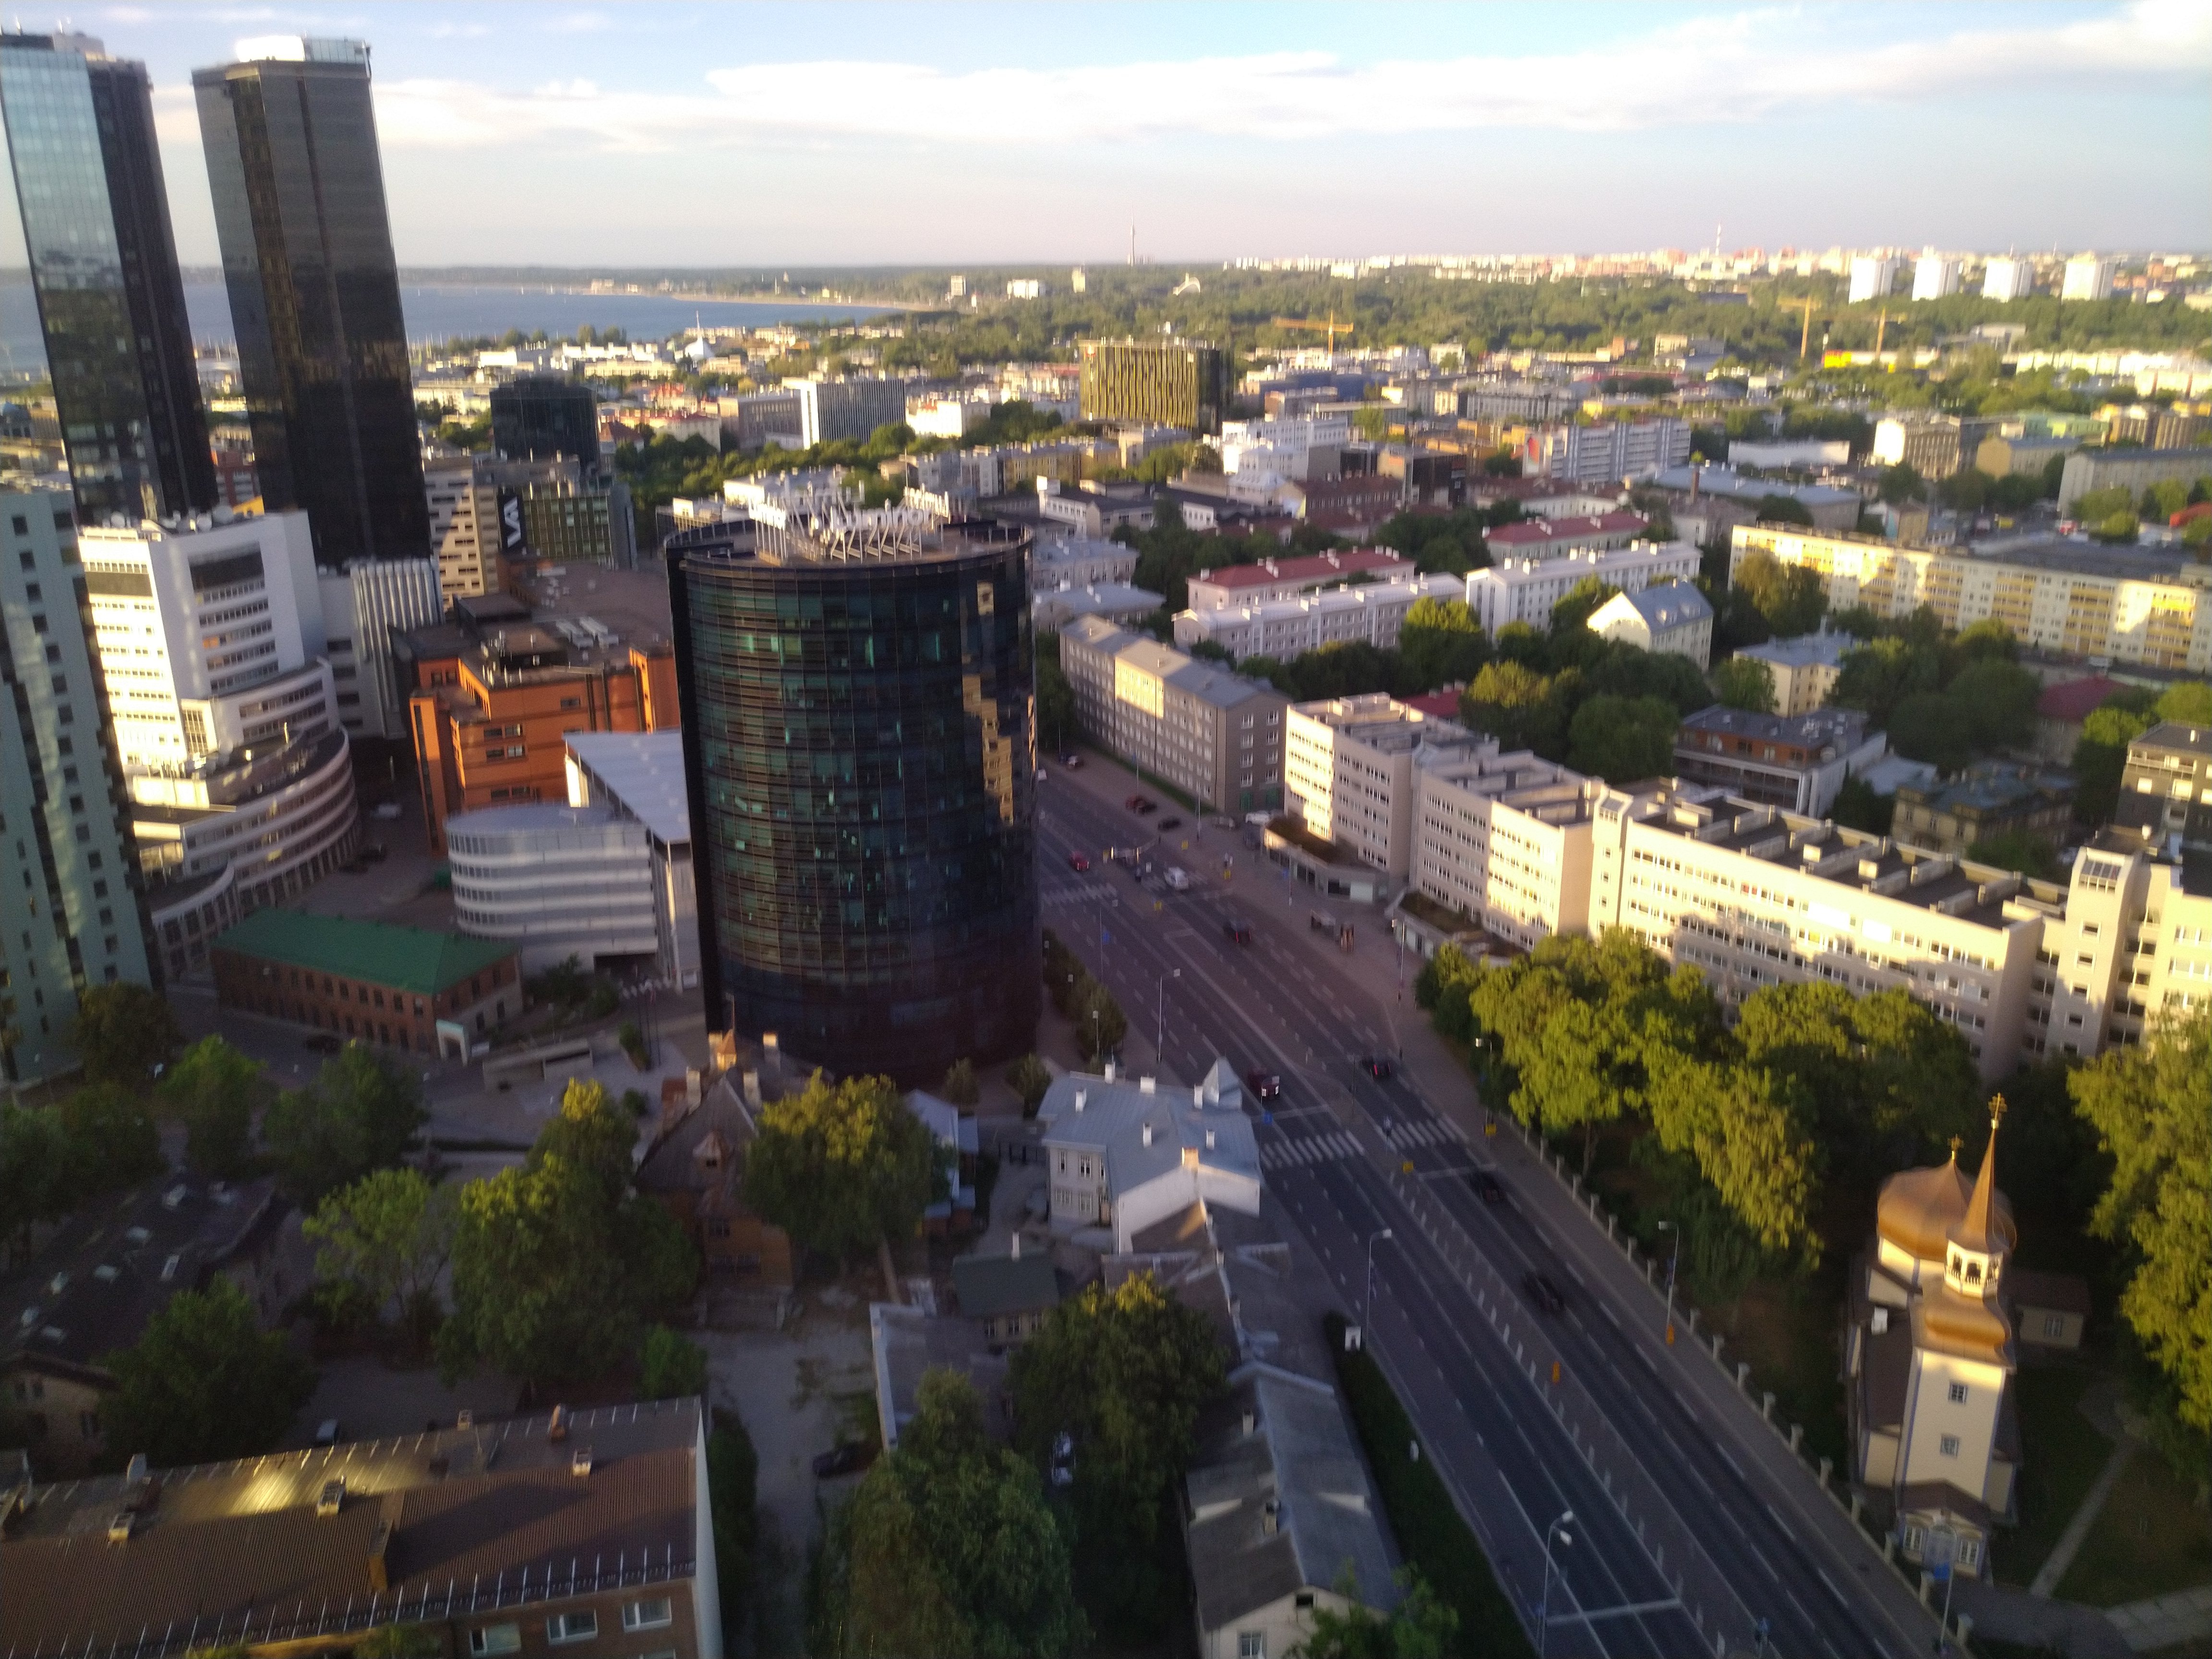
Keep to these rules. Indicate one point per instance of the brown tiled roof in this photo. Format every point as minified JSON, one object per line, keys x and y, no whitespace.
{"x":2060,"y":1293}
{"x":490,"y":1516}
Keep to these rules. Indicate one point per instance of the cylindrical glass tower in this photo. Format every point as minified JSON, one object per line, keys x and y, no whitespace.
{"x":859,"y":744}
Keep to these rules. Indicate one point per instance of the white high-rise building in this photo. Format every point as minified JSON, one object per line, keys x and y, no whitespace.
{"x":2087,"y":278}
{"x":1934,"y":277}
{"x":2008,"y":279}
{"x":210,"y":639}
{"x":1871,"y":278}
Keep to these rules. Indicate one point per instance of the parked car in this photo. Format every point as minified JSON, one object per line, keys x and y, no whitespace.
{"x":848,"y":1458}
{"x":1377,"y":1068}
{"x":1264,"y":1085}
{"x":1238,"y":932}
{"x":1078,"y":863}
{"x":1176,"y":879}
{"x":1543,"y":1295}
{"x":1166,"y":824}
{"x":1147,"y":806}
{"x":1487,"y":1187}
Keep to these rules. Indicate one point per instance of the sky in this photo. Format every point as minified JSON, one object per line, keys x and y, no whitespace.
{"x":767,"y":135}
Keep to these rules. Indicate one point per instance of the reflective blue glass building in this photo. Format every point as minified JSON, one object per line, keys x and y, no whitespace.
{"x":859,"y":744}
{"x":104,"y":267}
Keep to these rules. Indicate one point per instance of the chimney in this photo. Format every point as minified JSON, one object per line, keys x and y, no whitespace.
{"x":1251,"y":1422}
{"x":1148,"y":1134}
{"x":1198,"y":1096}
{"x":1110,"y":1071}
{"x":1017,"y":1256}
{"x":1209,"y":1140}
{"x":1145,"y":1085}
{"x":1271,"y":1516}
{"x":1079,"y":1097}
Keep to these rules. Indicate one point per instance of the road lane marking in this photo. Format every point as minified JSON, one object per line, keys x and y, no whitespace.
{"x":1780,"y":1522}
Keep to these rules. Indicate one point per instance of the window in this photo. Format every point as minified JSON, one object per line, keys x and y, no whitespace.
{"x":1251,"y":1644}
{"x":648,"y":1615}
{"x":1969,"y":1551}
{"x":1958,"y":1393}
{"x":564,"y":1627}
{"x":1949,"y":1445}
{"x":495,"y":1638}
{"x":2054,"y":1326}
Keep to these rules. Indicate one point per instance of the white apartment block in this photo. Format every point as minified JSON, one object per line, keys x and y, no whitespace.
{"x":2087,"y":278}
{"x":947,"y":417}
{"x":850,"y":408}
{"x":1671,"y":619}
{"x":2130,"y":605}
{"x":1607,"y":453}
{"x":1079,"y":562}
{"x":1298,"y":446}
{"x":1525,"y":590}
{"x":1935,"y":276}
{"x":1804,"y":669}
{"x":1504,"y":840}
{"x":2008,"y":279}
{"x":1350,"y":772}
{"x":210,"y":639}
{"x":1284,"y":578}
{"x":1373,"y":614}
{"x":1871,"y":278}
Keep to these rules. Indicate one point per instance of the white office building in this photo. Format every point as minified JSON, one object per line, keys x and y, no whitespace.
{"x":261,"y":826}
{"x":851,"y":407}
{"x":1525,"y":590}
{"x":2007,"y":279}
{"x":1372,"y":613}
{"x":1871,"y":278}
{"x":210,"y":639}
{"x":1350,"y":772}
{"x":555,"y":881}
{"x":1504,"y":840}
{"x":1935,"y":276}
{"x":2087,"y":278}
{"x":639,"y":776}
{"x":1300,"y":447}
{"x":1607,"y":453}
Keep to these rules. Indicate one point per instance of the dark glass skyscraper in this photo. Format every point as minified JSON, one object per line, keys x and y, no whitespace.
{"x":859,"y":743}
{"x":104,"y":267}
{"x":314,"y":296}
{"x":543,"y":418}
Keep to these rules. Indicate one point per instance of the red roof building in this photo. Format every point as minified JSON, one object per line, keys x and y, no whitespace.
{"x":1548,"y":538}
{"x":1282,"y":578}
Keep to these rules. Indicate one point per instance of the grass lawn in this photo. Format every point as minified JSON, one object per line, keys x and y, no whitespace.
{"x":1430,"y":1530}
{"x":2062,"y":1452}
{"x":2150,"y":1539}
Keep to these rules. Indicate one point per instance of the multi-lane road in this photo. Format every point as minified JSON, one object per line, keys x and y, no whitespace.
{"x":1685,"y":1536}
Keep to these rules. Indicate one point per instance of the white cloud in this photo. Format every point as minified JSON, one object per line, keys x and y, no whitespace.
{"x":1725,"y":68}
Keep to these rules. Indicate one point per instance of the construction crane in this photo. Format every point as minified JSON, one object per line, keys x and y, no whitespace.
{"x":1807,"y":304}
{"x":1332,"y":327}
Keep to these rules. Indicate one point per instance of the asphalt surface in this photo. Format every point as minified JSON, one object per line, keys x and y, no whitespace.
{"x":1450,"y":1318}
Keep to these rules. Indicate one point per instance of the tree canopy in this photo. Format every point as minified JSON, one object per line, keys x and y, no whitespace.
{"x":382,"y":1244}
{"x":122,"y":1032}
{"x":212,"y":1087}
{"x":843,"y":1166}
{"x":1621,"y":739}
{"x":1745,"y":683}
{"x":360,"y":1113}
{"x":204,"y":1382}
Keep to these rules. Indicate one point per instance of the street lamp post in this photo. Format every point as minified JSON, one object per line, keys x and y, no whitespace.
{"x":1367,"y":1296}
{"x":1558,"y":1528}
{"x":1160,"y":1018}
{"x":1674,"y":1257}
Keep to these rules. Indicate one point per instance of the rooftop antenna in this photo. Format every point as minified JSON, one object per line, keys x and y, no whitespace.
{"x":1133,"y":245}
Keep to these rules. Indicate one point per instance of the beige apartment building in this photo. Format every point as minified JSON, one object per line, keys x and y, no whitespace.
{"x":2151,"y":608}
{"x":1804,"y":669}
{"x":1504,"y":840}
{"x":1214,"y":735}
{"x":1351,"y":768}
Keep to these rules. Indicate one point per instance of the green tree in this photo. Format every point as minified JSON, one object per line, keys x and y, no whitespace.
{"x":1100,"y":1025}
{"x":2189,"y":702}
{"x":842,"y":1167}
{"x":1029,"y":1077}
{"x":1123,"y":1374}
{"x":399,"y":1642}
{"x":2017,"y":850}
{"x":733,"y":1499}
{"x":1519,"y":707}
{"x":1858,"y":807}
{"x":960,"y":1087}
{"x":1996,"y":701}
{"x":557,"y":1264}
{"x":671,"y":1366}
{"x":1929,"y":726}
{"x":2100,"y":759}
{"x":204,"y":1382}
{"x":2116,"y":529}
{"x":122,"y":1032}
{"x":1745,"y":683}
{"x":1747,"y":1129}
{"x":1440,"y":642}
{"x":2095,"y":504}
{"x":1421,"y":1626}
{"x":108,"y":1141}
{"x":1789,"y":597}
{"x":1901,"y":483}
{"x":381,"y":1245}
{"x":1055,"y":698}
{"x":33,"y":1158}
{"x":1621,"y":739}
{"x":1572,"y":613}
{"x":212,"y":1087}
{"x":360,"y":1113}
{"x":2148,"y":1104}
{"x":1783,"y":510}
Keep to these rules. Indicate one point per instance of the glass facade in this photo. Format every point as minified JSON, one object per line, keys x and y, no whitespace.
{"x":541,"y":417}
{"x":860,"y":749}
{"x":104,"y":268}
{"x":1165,"y":382}
{"x":314,"y":296}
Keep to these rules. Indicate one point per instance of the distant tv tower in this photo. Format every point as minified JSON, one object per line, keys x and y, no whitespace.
{"x":1133,"y":245}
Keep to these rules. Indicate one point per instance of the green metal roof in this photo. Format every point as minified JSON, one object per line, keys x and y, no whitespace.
{"x":405,"y":959}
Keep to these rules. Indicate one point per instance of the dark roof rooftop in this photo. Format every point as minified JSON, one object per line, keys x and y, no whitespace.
{"x":493,"y":1516}
{"x":2172,"y":734}
{"x":2076,"y":700}
{"x":407,"y":958}
{"x":1841,"y":726}
{"x":987,"y":1285}
{"x":1315,"y":568}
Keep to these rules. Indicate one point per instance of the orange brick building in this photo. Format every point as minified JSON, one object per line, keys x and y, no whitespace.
{"x":490,"y":703}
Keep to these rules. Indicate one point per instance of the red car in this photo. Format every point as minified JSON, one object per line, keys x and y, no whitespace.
{"x":1078,"y":863}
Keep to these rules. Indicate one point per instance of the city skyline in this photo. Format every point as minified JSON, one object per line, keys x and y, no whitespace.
{"x":1480,"y":130}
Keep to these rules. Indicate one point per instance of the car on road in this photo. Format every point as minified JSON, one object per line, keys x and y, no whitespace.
{"x":1176,"y":879}
{"x":327,"y":1431}
{"x":848,"y":1458}
{"x":1237,"y":932}
{"x":1078,"y":863}
{"x":1264,"y":1085}
{"x":323,"y":1042}
{"x":1543,"y":1295}
{"x":1141,"y":804}
{"x":1487,"y":1187}
{"x":1166,"y":824}
{"x":1073,"y":763}
{"x":1376,"y":1067}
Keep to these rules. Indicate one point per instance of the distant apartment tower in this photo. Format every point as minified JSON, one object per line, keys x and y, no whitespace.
{"x":1169,"y":382}
{"x":2087,"y":278}
{"x":847,"y":409}
{"x":543,"y":417}
{"x":1871,"y":278}
{"x":2008,"y":279}
{"x":1935,"y":276}
{"x":103,"y":268}
{"x":290,"y":139}
{"x":68,"y":858}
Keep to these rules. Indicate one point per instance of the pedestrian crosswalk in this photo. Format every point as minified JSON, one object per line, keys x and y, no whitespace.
{"x":1308,"y":1149}
{"x":1080,"y":892}
{"x":1408,"y":1136}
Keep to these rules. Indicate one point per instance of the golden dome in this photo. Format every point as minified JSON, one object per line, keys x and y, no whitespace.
{"x":1918,"y":1208}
